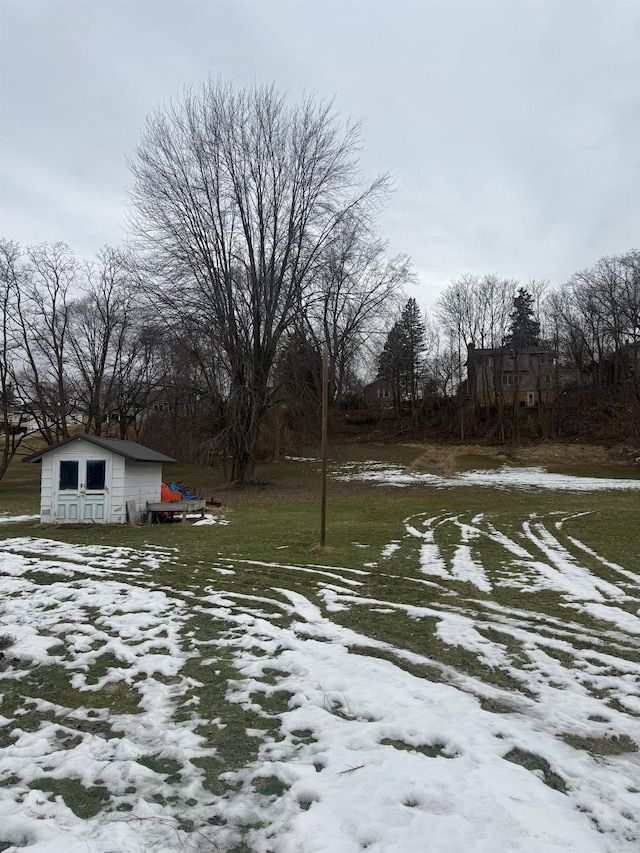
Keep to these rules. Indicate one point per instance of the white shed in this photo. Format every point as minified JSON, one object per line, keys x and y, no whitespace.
{"x":90,"y":478}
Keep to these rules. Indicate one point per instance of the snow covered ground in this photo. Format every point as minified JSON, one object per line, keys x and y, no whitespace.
{"x":515,"y":728}
{"x":383,"y":473}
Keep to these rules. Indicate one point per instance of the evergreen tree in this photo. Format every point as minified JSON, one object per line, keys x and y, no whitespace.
{"x":401,"y":359}
{"x":525,"y":329}
{"x":299,"y":376}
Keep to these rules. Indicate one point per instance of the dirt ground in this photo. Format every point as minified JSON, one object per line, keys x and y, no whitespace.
{"x":439,"y":459}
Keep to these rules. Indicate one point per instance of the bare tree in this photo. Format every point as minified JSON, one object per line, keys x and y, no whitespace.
{"x":47,"y":276}
{"x":102,"y":326}
{"x":358,"y":286}
{"x":11,"y":427}
{"x":596,"y":319}
{"x":474,"y":312}
{"x":236,"y":196}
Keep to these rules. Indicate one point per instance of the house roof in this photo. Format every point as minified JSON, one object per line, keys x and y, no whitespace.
{"x":379,"y":380}
{"x":543,"y":348}
{"x":128,"y":449}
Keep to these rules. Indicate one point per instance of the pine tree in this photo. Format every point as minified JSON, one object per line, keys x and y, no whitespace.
{"x":524,"y":329}
{"x":401,"y":358}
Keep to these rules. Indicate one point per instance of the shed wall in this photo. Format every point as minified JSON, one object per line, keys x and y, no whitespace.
{"x":141,"y":483}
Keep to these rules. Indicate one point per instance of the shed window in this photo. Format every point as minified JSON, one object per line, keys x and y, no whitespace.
{"x":95,"y":474}
{"x":68,"y":476}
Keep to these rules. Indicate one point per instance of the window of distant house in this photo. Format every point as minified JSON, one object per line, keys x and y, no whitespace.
{"x":68,"y":476}
{"x":95,"y":474}
{"x":508,"y":379}
{"x":547,"y":379}
{"x":383,"y":392}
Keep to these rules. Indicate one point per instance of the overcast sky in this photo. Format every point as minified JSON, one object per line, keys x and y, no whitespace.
{"x":512,"y":128}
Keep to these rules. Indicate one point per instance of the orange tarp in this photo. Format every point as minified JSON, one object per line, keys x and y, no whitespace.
{"x":167,"y":495}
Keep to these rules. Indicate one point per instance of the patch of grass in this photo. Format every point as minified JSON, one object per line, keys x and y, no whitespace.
{"x":68,"y":740}
{"x":91,"y":725}
{"x":605,"y":745}
{"x":101,"y":667}
{"x":10,"y":782}
{"x":493,"y":706}
{"x":20,"y":489}
{"x":83,"y":802}
{"x":479,"y":462}
{"x":431,"y":750}
{"x":418,"y":635}
{"x":422,"y":670}
{"x":609,"y":470}
{"x":537,"y":763}
{"x":611,"y":529}
{"x":45,"y":578}
{"x":269,"y":786}
{"x":273,"y":703}
{"x":7,"y":736}
{"x":302,"y":735}
{"x":52,"y":682}
{"x":164,"y":766}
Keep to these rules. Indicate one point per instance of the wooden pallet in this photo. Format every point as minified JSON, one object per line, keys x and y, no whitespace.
{"x":155,"y":508}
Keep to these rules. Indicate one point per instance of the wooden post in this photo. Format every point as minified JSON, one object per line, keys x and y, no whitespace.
{"x":133,"y":515}
{"x":325,"y":410}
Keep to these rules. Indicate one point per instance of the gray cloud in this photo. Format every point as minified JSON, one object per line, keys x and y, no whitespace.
{"x":511,"y":128}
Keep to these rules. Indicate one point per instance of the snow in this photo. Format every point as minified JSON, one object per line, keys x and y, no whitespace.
{"x":13,"y":519}
{"x":375,"y":746}
{"x":385,"y":474}
{"x":210,"y":519}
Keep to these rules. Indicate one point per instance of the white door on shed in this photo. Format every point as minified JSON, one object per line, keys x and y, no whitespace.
{"x":82,"y":491}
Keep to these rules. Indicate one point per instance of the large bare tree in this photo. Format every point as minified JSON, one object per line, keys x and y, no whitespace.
{"x":236,"y":194}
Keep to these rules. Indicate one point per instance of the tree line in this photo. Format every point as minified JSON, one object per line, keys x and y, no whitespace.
{"x":588,"y":328}
{"x":254,"y":244}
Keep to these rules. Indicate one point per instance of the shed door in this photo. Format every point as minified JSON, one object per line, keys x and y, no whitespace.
{"x":82,"y":493}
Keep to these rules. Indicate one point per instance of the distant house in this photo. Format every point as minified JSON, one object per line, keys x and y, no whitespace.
{"x":91,"y":479}
{"x":527,"y":376}
{"x":382,"y":392}
{"x":19,"y":420}
{"x":28,"y":417}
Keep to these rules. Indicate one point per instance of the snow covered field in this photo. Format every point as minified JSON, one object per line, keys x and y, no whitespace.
{"x":217,"y":712}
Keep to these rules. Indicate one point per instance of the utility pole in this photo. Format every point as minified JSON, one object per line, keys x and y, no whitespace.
{"x":325,"y":417}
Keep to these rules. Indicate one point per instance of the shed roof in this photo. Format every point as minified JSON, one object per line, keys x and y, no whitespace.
{"x":128,"y":449}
